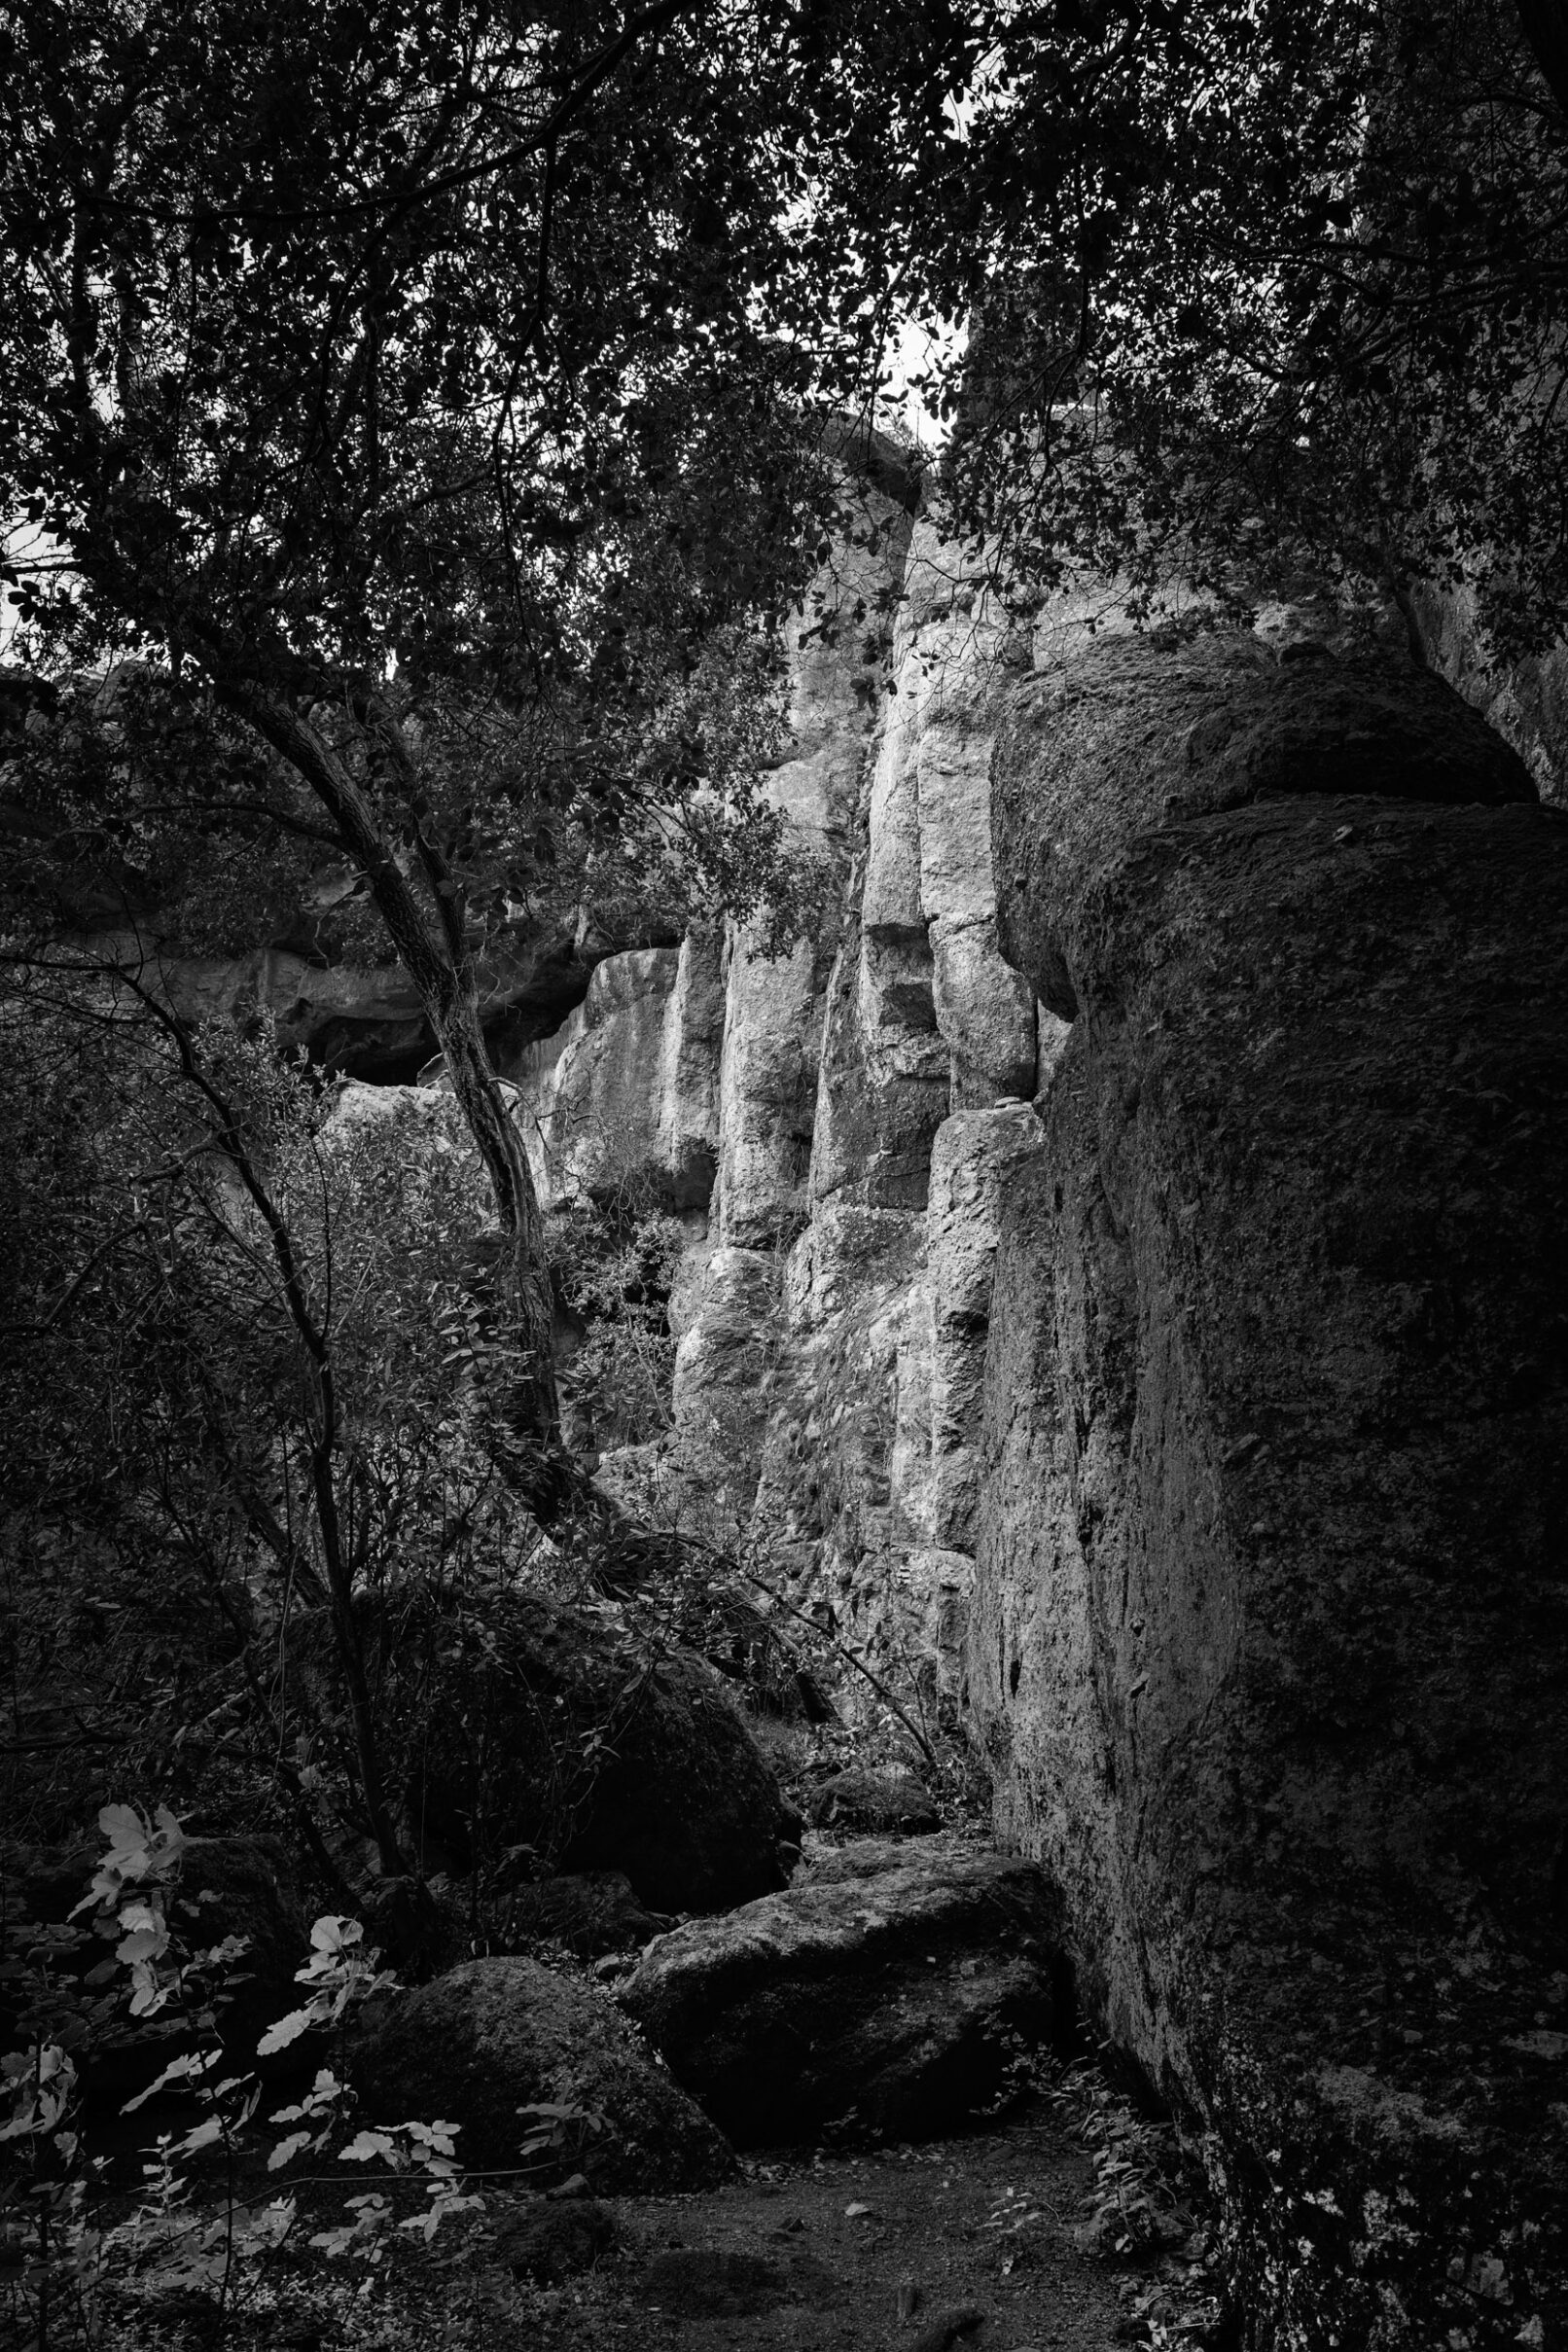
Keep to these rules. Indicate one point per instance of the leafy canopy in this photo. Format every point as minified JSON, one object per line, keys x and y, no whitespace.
{"x":436,"y":376}
{"x":1251,"y":287}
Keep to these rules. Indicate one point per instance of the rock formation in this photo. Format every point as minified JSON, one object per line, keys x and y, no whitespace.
{"x":505,"y":2048}
{"x":1270,"y":1629}
{"x":1131,"y":1314}
{"x":1125,"y":1306}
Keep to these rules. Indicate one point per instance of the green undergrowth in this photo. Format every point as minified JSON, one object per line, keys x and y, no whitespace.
{"x":1147,"y":2213}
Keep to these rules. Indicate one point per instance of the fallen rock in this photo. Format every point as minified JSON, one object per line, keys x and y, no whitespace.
{"x":869,"y":1857}
{"x":874,"y":1802}
{"x":495,"y":2036}
{"x":889,"y":1996}
{"x":549,"y":2242}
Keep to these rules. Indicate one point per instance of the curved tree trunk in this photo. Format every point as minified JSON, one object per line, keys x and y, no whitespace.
{"x":534,"y":1413}
{"x":436,"y":957}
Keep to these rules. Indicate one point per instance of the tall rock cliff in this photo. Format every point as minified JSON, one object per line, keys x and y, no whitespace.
{"x":1124,"y":1299}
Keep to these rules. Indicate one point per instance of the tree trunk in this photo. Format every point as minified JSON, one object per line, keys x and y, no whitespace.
{"x":534,"y":1413}
{"x":441,"y":968}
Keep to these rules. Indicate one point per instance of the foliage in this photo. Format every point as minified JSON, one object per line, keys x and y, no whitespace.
{"x":1144,"y":2211}
{"x":415,"y":394}
{"x":1251,"y":291}
{"x":168,"y":2245}
{"x":425,"y":333}
{"x":615,"y":1260}
{"x":261,"y":1543}
{"x":273,"y":1327}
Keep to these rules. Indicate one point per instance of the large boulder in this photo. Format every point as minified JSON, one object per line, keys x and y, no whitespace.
{"x":497,"y":2036}
{"x":1270,"y":1624}
{"x":551,"y":1728}
{"x":888,"y":1992}
{"x":1134,"y":736}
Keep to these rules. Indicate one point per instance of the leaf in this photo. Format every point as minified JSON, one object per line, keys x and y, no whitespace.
{"x":142,"y":1943}
{"x":288,"y":2149}
{"x":178,"y":2070}
{"x":270,"y":2226}
{"x":367,"y":2144}
{"x":169,"y":1830}
{"x":125,"y":1830}
{"x":286,"y":2030}
{"x":331,"y":1933}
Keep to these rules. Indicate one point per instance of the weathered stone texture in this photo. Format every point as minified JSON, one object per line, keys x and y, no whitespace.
{"x":1186,"y":731}
{"x":1527,"y":701}
{"x":886,"y":1992}
{"x":974,"y":1155}
{"x":497,"y":2035}
{"x":1272,"y":1619}
{"x":623,"y":1098}
{"x":366,"y":1021}
{"x":767,"y":1091}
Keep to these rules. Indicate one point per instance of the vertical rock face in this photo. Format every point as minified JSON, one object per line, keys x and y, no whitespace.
{"x":1134,"y":1315}
{"x":846,"y":1113}
{"x":624,"y":1092}
{"x":1271,"y":1615}
{"x":1527,"y":701}
{"x":927,"y":1039}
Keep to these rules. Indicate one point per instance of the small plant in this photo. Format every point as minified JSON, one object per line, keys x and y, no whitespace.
{"x":1143,"y":2211}
{"x":557,"y":2130}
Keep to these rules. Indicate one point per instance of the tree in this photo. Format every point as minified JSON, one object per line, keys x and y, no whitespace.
{"x":243,"y":1385}
{"x":1253,"y":290}
{"x":412,"y":391}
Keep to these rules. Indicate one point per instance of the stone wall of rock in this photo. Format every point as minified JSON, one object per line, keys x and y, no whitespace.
{"x":1271,"y":1616}
{"x":365,"y":1021}
{"x":1131,"y":1314}
{"x":860,"y":1104}
{"x":1527,"y":701}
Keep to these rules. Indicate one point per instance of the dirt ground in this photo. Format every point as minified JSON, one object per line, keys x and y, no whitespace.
{"x":964,"y":2242}
{"x":971,"y":2244}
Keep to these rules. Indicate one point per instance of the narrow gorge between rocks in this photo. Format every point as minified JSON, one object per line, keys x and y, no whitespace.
{"x":1120,"y":1301}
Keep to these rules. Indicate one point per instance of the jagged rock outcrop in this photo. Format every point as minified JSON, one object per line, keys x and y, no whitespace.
{"x":1527,"y":701}
{"x":365,"y":1021}
{"x":1271,"y":1618}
